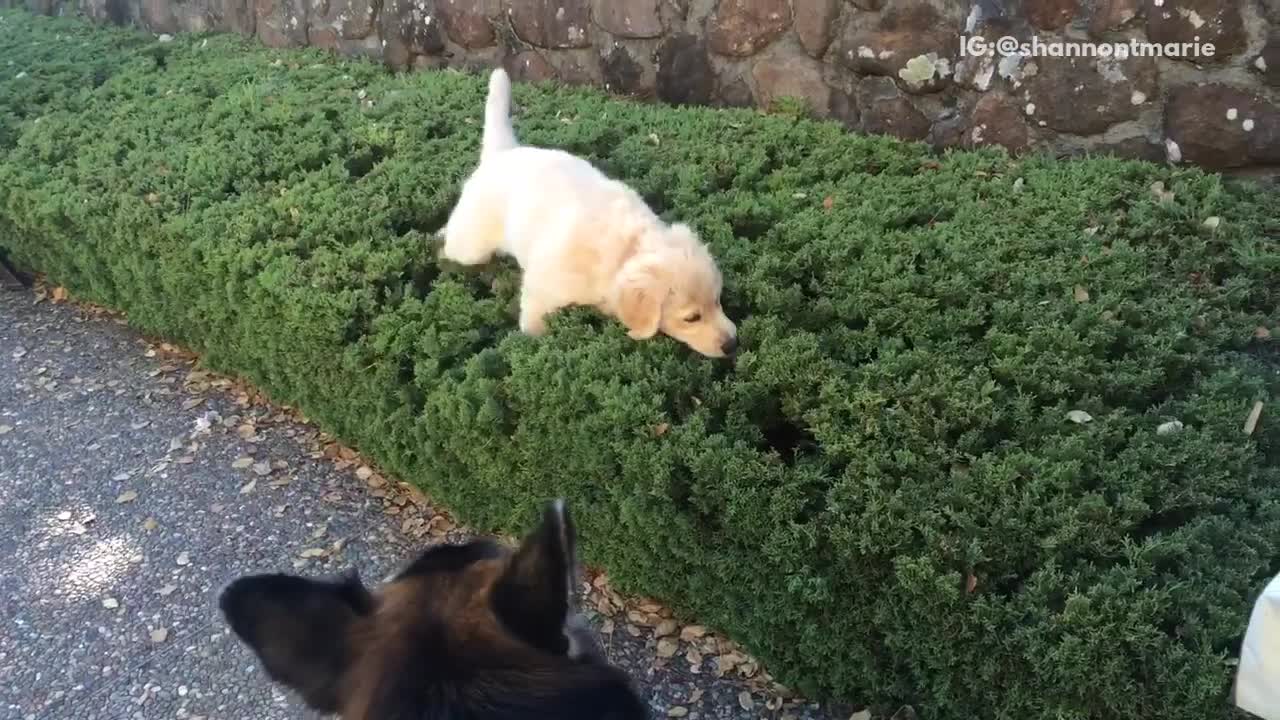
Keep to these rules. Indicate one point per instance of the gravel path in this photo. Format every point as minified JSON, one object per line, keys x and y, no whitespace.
{"x":133,"y":486}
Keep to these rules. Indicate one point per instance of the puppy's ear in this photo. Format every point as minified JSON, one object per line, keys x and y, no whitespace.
{"x":533,"y":596}
{"x":298,"y":628}
{"x":639,"y":293}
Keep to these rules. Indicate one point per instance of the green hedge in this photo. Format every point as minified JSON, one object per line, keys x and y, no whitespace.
{"x":884,"y":498}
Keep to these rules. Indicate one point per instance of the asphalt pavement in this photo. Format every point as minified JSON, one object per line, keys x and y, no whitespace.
{"x":134,"y":485}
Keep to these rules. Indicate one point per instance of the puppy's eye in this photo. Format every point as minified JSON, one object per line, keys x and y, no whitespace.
{"x":695,"y":317}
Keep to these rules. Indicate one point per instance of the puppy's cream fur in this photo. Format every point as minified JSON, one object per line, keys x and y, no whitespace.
{"x":582,"y":238}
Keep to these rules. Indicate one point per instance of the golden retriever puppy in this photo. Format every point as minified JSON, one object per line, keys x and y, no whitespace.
{"x":582,"y":238}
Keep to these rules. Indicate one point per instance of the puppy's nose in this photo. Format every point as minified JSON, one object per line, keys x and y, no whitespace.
{"x":729,"y":347}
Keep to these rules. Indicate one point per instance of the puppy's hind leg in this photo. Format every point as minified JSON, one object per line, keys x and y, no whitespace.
{"x":474,"y":231}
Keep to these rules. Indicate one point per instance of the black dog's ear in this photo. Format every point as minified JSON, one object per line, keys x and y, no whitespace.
{"x":298,"y":628}
{"x":533,"y":596}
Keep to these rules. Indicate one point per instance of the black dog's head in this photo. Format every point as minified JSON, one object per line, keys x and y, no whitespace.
{"x":475,"y":630}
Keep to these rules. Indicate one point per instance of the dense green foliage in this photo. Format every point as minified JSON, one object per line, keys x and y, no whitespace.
{"x":884,"y":498}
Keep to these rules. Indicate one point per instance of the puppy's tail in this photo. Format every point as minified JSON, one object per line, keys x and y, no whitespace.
{"x":498,"y":134}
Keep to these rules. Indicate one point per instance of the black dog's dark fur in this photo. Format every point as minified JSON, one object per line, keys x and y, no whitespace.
{"x":465,"y":632}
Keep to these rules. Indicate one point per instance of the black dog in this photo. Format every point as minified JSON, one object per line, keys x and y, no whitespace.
{"x":466,"y":632}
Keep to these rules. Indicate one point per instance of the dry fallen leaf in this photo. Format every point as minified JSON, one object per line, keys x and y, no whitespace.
{"x":971,"y":584}
{"x":313,"y":553}
{"x":725,"y":664}
{"x":150,"y":524}
{"x":242,"y":463}
{"x":1081,"y":294}
{"x":159,"y":635}
{"x":1079,"y":416}
{"x":1251,"y":423}
{"x":695,"y":660}
{"x":248,"y":487}
{"x":667,"y":647}
{"x":262,"y":469}
{"x":693,"y":632}
{"x":5,"y":429}
{"x":828,"y":202}
{"x":414,"y":526}
{"x":745,"y":700}
{"x":415,"y":495}
{"x":678,"y":711}
{"x":192,"y":404}
{"x":861,"y":715}
{"x":1168,"y":428}
{"x":661,"y":429}
{"x":1260,"y":333}
{"x":120,"y":477}
{"x":666,"y":628}
{"x":127,"y":496}
{"x":906,"y":712}
{"x":695,"y":696}
{"x":364,"y":472}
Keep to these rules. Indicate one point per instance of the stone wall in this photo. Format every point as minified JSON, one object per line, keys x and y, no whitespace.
{"x":878,"y":66}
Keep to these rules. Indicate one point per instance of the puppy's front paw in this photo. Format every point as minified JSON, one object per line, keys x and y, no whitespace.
{"x":535,"y":326}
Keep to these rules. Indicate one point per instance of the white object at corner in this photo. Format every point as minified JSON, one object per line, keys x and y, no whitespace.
{"x":1258,"y":681}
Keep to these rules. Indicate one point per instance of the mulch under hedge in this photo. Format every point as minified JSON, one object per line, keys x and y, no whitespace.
{"x":936,"y":474}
